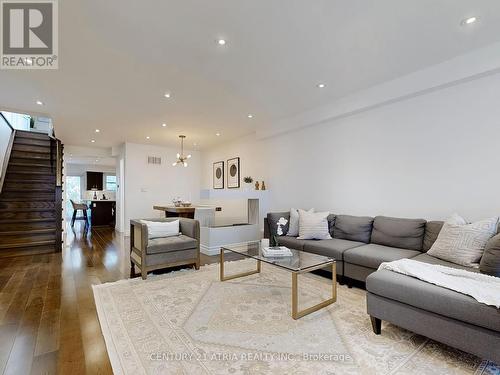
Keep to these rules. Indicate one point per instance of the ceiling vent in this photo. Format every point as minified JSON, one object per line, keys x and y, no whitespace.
{"x":154,"y":160}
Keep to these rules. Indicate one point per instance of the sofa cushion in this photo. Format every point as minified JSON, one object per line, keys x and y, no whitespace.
{"x":433,"y":298}
{"x":398,"y":232}
{"x":168,"y":244}
{"x":331,"y":248}
{"x":291,"y":242}
{"x":353,"y":228}
{"x":490,"y":262}
{"x":273,"y":218}
{"x":373,"y":255}
{"x":432,"y":229}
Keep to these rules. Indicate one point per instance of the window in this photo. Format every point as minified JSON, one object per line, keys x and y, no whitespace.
{"x":110,"y":183}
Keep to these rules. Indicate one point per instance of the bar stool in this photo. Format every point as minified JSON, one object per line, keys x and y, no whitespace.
{"x":76,"y":207}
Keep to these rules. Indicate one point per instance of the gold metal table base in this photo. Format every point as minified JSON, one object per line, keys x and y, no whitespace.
{"x":296,"y":314}
{"x":235,"y":276}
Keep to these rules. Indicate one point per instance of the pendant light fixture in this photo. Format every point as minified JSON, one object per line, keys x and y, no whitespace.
{"x":181,"y":159}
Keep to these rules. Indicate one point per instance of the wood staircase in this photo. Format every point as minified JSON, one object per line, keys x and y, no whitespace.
{"x":31,"y":196}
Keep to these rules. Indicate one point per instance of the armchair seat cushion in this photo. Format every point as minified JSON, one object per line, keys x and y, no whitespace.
{"x":169,"y":244}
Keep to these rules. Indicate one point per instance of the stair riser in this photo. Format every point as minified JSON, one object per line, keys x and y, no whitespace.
{"x":31,"y":148}
{"x":34,"y":163}
{"x":48,"y":169}
{"x":12,"y":215}
{"x":9,"y":196}
{"x":31,"y":135}
{"x":32,"y":142}
{"x":27,"y":226}
{"x":27,"y":186}
{"x":39,"y":177}
{"x":26,"y":239}
{"x":26,"y":205}
{"x":29,"y":155}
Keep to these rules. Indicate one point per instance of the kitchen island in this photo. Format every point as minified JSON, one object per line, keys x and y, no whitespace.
{"x":102,"y":212}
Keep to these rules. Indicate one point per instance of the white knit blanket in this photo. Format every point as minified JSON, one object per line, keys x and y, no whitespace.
{"x":483,"y":288}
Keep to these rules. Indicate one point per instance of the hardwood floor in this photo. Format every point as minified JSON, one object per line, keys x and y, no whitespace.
{"x":48,"y":320}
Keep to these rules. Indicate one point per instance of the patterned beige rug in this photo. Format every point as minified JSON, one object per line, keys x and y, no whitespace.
{"x":188,"y":322}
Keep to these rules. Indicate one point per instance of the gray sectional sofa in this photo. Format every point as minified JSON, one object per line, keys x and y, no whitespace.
{"x":361,"y":244}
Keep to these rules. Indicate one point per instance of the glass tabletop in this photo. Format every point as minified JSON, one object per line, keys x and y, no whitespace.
{"x":299,"y":261}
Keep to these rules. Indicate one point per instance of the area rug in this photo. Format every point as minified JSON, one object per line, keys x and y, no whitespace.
{"x":188,"y":322}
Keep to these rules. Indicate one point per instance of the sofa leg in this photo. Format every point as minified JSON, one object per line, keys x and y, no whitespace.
{"x":144,"y":274}
{"x":197,"y":266}
{"x":340,"y":280}
{"x":349,"y":283}
{"x":376,"y":325}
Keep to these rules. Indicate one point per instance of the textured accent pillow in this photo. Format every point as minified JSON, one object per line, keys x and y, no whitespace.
{"x":313,"y":226}
{"x":353,"y":228}
{"x":490,"y":262}
{"x":293,"y":225}
{"x":462,"y":243}
{"x":159,"y":229}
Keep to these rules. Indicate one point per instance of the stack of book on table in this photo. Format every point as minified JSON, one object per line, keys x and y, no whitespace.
{"x":276,"y":252}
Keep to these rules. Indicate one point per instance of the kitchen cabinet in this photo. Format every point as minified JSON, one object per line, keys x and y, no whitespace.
{"x":95,"y":181}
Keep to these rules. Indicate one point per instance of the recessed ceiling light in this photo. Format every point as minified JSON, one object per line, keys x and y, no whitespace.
{"x":217,"y":134}
{"x":164,"y":125}
{"x":250,"y":115}
{"x":147,"y":137}
{"x":221,"y":42}
{"x":97,"y":130}
{"x":321,"y":85}
{"x":195,"y":144}
{"x":469,"y":20}
{"x":93,"y":141}
{"x":39,"y":102}
{"x":96,"y":160}
{"x":167,"y":95}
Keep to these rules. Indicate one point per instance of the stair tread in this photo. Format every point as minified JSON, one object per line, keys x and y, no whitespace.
{"x":27,"y":209}
{"x":30,"y":172}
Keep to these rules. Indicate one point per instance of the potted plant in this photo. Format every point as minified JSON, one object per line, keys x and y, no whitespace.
{"x":248,"y":182}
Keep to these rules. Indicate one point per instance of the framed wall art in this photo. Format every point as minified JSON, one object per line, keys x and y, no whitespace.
{"x":218,"y":175}
{"x":233,"y":173}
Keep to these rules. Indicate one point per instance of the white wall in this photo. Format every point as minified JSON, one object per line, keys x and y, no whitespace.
{"x":427,"y":156}
{"x":147,"y":185}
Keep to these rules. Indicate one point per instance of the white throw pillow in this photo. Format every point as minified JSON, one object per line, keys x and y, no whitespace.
{"x":293,"y":227}
{"x":462,"y":243}
{"x":159,"y":229}
{"x":313,"y":226}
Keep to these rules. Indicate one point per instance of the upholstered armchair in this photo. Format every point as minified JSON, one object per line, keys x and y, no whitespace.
{"x":152,"y":254}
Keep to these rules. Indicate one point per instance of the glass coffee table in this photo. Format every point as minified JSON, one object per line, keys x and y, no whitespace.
{"x":300,"y":262}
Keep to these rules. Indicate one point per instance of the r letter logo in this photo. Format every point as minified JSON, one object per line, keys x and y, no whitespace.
{"x":29,"y":34}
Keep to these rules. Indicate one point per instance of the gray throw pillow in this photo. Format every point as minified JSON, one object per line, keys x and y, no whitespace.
{"x":353,"y":228}
{"x":490,"y":262}
{"x":432,"y":229}
{"x":273,"y":218}
{"x":398,"y":232}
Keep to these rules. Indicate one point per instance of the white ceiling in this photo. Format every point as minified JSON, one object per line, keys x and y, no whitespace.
{"x":118,"y":57}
